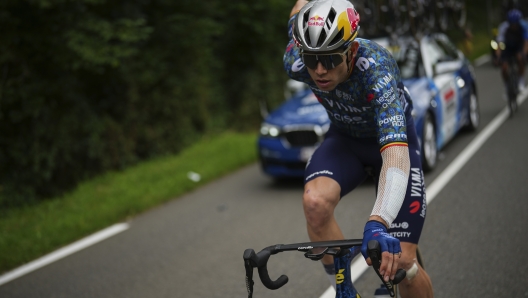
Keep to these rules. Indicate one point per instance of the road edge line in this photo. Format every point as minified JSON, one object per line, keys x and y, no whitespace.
{"x":63,"y":252}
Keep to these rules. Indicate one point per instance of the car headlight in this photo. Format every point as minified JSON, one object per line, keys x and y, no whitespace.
{"x":269,"y":130}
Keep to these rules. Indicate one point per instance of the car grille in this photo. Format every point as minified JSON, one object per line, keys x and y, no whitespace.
{"x":299,"y":138}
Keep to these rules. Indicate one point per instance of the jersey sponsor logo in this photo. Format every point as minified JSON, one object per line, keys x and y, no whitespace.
{"x":417,"y":190}
{"x":364,"y":63}
{"x":417,"y":183}
{"x":346,"y":108}
{"x":344,"y":95}
{"x":345,"y":118}
{"x":297,"y":66}
{"x":404,"y":225}
{"x":394,"y":121}
{"x":383,"y":82}
{"x":319,"y":173}
{"x":415,"y":206}
{"x":387,"y":97}
{"x":316,"y":21}
{"x":401,"y":234}
{"x":402,"y":99}
{"x":396,"y":136}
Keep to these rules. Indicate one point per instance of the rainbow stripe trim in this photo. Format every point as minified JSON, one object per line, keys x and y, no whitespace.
{"x":392,"y":145}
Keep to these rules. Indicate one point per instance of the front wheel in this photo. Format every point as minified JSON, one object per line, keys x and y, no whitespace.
{"x":429,"y":147}
{"x":513,"y":90}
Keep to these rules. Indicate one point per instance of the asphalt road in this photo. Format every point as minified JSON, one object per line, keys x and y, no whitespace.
{"x":473,"y":240}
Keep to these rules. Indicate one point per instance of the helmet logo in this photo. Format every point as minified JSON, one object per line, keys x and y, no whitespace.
{"x":316,"y":21}
{"x":348,"y":21}
{"x":353,"y":18}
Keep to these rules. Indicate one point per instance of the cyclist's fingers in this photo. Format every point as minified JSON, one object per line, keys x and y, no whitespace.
{"x":386,"y":265}
{"x":369,"y":262}
{"x":394,"y":265}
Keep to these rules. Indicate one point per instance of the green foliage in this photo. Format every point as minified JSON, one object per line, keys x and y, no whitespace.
{"x":89,"y":86}
{"x":116,"y":196}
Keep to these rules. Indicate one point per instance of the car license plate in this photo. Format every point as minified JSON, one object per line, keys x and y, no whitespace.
{"x":306,"y":153}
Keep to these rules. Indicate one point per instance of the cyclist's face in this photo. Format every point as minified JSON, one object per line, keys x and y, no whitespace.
{"x":328,"y":79}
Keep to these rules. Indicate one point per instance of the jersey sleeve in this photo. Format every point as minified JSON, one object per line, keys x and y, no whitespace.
{"x":389,"y":106}
{"x":501,"y":31}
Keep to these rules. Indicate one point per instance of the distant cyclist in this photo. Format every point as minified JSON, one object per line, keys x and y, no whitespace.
{"x":359,"y":84}
{"x":513,"y":34}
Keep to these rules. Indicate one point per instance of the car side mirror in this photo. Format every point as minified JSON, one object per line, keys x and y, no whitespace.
{"x":446,"y":67}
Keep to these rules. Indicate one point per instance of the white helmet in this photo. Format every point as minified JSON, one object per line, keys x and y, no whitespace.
{"x":325,"y":25}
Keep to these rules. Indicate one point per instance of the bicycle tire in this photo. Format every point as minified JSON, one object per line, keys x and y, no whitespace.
{"x":513,"y":87}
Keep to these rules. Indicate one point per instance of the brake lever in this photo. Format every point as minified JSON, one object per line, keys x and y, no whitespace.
{"x":374,"y":252}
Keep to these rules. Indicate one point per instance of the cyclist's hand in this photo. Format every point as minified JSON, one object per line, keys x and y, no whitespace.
{"x":390,"y":248}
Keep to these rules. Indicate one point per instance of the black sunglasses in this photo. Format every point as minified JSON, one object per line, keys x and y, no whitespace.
{"x":329,"y":61}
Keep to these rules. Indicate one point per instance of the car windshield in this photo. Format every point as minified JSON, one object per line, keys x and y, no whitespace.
{"x":409,"y":62}
{"x":407,"y":54}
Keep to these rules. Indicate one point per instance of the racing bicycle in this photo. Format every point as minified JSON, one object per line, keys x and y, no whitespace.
{"x":343,"y":251}
{"x":512,"y":84}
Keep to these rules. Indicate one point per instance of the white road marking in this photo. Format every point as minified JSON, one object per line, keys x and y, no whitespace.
{"x":359,"y":266}
{"x":482,"y":60}
{"x":63,"y":252}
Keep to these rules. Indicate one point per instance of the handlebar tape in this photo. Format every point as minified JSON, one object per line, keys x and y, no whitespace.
{"x":262,"y":261}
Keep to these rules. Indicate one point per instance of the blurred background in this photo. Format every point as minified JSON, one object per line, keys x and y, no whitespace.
{"x":89,"y":87}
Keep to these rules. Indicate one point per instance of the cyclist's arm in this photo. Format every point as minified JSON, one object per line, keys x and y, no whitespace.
{"x":389,"y":106}
{"x":297,"y":7}
{"x":500,"y":36}
{"x":392,"y":183}
{"x":392,"y":138}
{"x":292,"y":59}
{"x":524,"y":25}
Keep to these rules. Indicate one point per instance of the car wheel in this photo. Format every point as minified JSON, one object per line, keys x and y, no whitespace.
{"x":473,"y":113}
{"x":429,"y":149}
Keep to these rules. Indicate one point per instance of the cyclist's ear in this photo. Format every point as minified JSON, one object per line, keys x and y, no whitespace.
{"x":353,"y":50}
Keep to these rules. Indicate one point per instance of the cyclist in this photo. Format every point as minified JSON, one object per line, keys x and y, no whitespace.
{"x":359,"y":84}
{"x":513,"y":34}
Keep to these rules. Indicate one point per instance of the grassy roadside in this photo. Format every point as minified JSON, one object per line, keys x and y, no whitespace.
{"x":28,"y":233}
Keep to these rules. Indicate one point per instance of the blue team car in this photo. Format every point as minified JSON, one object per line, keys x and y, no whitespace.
{"x":443,"y":88}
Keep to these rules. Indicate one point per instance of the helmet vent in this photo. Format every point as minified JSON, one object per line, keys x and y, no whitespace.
{"x":306,"y":17}
{"x":328,"y":24}
{"x":337,"y":38}
{"x":322,"y":38}
{"x":331,"y":17}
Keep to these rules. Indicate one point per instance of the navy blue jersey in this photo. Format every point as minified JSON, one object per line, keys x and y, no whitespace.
{"x":371,"y":103}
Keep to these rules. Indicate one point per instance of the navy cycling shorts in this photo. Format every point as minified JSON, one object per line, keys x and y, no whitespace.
{"x":345,"y":160}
